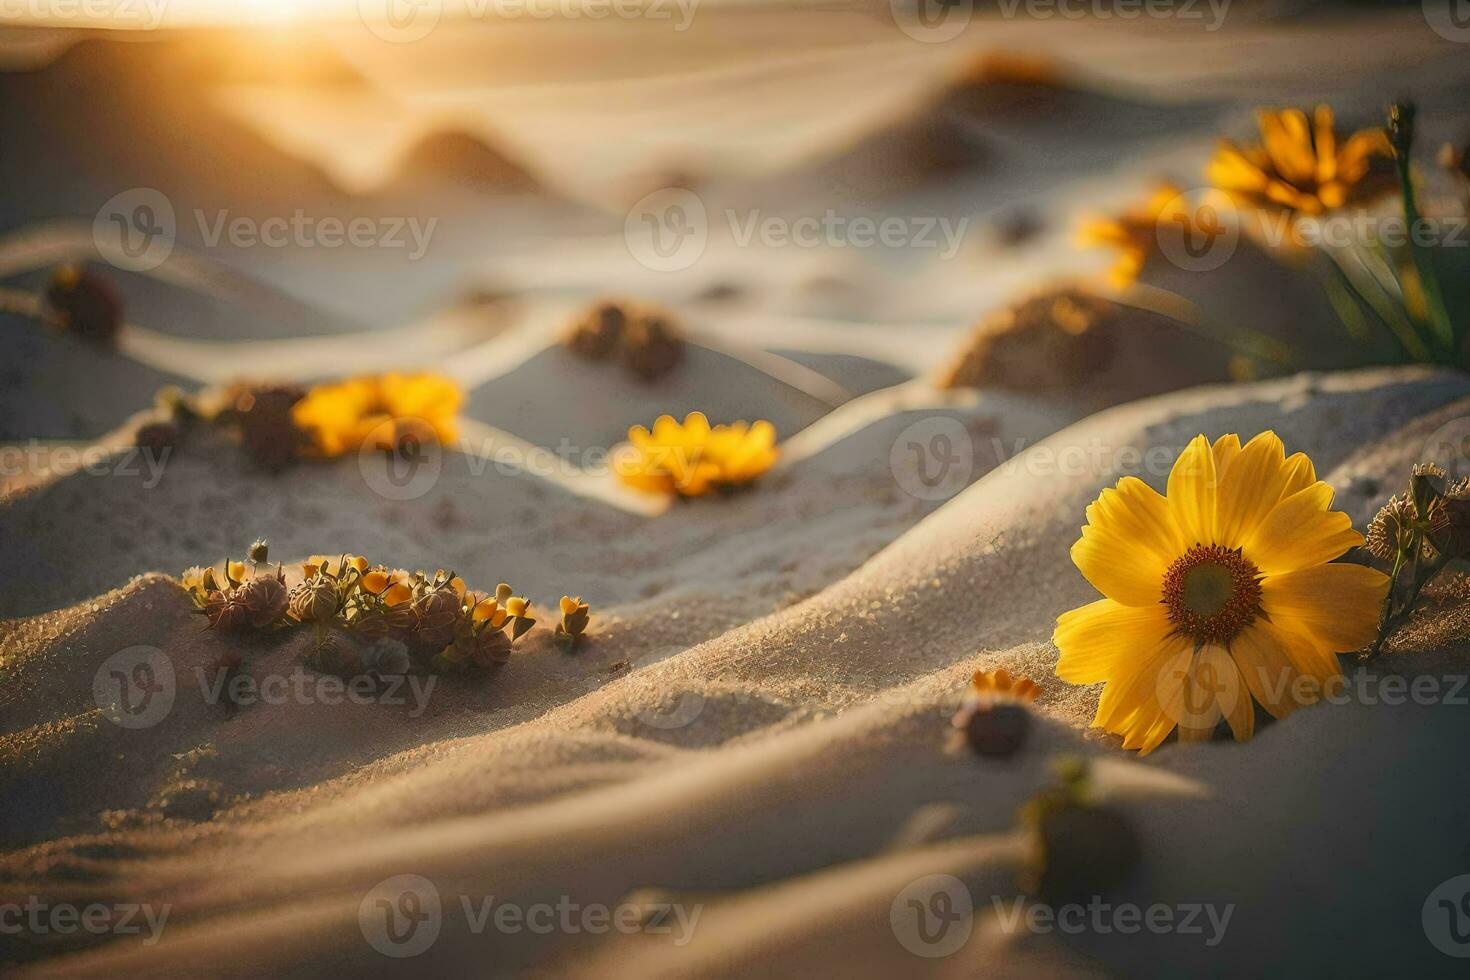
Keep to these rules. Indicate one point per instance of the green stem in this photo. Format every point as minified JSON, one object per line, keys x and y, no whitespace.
{"x":1424,"y":262}
{"x":1192,"y":319}
{"x":1383,"y":305}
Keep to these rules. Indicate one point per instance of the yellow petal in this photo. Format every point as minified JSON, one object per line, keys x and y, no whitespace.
{"x":1326,"y":144}
{"x":1260,"y":653}
{"x":1096,"y":640}
{"x":1336,"y":606}
{"x":1249,"y":488}
{"x":1226,"y":448}
{"x":1119,"y":567}
{"x":1241,"y":712}
{"x":1301,"y":531}
{"x":1192,"y":492}
{"x":1129,"y":702}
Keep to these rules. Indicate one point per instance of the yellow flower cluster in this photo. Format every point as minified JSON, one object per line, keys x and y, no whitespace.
{"x":1000,"y":685}
{"x":352,"y":603}
{"x":1134,"y":233}
{"x":1299,"y":166}
{"x":694,"y":458}
{"x":379,"y":412}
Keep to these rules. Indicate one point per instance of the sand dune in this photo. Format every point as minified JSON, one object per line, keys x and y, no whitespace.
{"x":757,"y":734}
{"x":785,"y":720}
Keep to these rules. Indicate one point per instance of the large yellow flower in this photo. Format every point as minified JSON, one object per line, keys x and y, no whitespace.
{"x":695,"y":458}
{"x":378,"y":412}
{"x":1300,"y":166}
{"x":1217,"y":594}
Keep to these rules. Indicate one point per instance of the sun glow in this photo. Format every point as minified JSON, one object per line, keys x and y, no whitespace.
{"x":152,"y":14}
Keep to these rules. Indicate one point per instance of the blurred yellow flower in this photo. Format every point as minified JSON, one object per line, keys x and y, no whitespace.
{"x":694,"y":458}
{"x":999,"y":685}
{"x":1220,"y":593}
{"x":1134,"y":233}
{"x":1300,"y":166}
{"x":379,"y":412}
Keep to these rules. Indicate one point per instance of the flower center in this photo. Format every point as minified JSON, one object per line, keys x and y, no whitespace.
{"x":1212,"y":593}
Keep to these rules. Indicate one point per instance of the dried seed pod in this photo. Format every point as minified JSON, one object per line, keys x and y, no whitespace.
{"x":575,"y":614}
{"x":268,"y":433}
{"x":85,"y":305}
{"x":1078,"y":851}
{"x":995,"y":730}
{"x":436,"y":607}
{"x":598,"y":331}
{"x":156,"y":438}
{"x":265,"y":598}
{"x":226,"y":611}
{"x":1077,"y":848}
{"x":652,"y":346}
{"x":315,"y":600}
{"x":477,"y":644}
{"x":259,"y":551}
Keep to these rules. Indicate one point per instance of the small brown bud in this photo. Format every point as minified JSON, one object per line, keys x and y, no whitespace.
{"x":265,"y":600}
